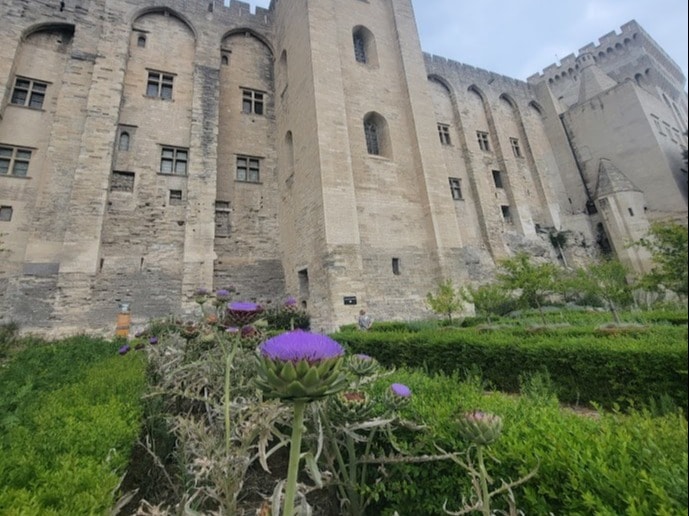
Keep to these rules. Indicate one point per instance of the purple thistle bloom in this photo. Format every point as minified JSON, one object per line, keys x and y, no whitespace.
{"x":299,"y":345}
{"x":401,"y":390}
{"x":124,"y":349}
{"x":153,"y":340}
{"x":242,"y":306}
{"x":201,"y":292}
{"x":290,"y":301}
{"x":222,"y":294}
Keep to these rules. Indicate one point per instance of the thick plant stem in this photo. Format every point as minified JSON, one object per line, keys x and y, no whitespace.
{"x":483,"y":478}
{"x":228,"y":368}
{"x":294,"y":453}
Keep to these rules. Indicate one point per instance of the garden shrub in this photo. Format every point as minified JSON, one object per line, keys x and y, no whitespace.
{"x":69,"y":429}
{"x":608,"y":464}
{"x":585,"y":367}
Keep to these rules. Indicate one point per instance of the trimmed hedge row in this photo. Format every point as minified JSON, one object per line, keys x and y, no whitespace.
{"x":631,"y":367}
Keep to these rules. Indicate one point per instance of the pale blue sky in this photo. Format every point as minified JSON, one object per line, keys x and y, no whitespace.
{"x":522,"y":37}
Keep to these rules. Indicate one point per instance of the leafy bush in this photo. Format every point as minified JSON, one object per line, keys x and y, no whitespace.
{"x":287,"y":319}
{"x":68,"y":429}
{"x":600,"y":464}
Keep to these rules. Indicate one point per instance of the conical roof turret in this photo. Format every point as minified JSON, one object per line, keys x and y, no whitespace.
{"x":611,"y":180}
{"x":592,"y":79}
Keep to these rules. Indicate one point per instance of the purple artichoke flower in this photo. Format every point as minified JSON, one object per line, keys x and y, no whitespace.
{"x":241,"y":313}
{"x":401,"y":390}
{"x":124,"y":349}
{"x":223,"y":294}
{"x":299,"y":365}
{"x":153,"y":340}
{"x":398,"y":396}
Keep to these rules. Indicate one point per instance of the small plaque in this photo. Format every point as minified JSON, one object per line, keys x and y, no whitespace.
{"x":350,"y":300}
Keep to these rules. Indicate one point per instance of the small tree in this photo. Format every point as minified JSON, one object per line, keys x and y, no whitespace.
{"x":446,"y":301}
{"x":607,"y":280}
{"x":488,"y":299}
{"x":533,"y":281}
{"x":667,"y":243}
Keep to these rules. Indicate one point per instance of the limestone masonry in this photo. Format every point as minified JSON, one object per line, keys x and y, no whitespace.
{"x":311,"y":149}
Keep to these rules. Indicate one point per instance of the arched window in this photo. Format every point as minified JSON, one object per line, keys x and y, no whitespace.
{"x":141,"y":41}
{"x":123,"y":143}
{"x":376,"y":135}
{"x":364,"y":46}
{"x":224,"y":60}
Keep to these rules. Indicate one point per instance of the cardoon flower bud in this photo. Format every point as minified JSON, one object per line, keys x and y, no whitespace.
{"x":289,"y":304}
{"x":201,"y":295}
{"x":480,"y":427}
{"x":398,"y":396}
{"x":350,"y":407}
{"x":222,"y":294}
{"x":362,"y":365}
{"x":300,"y":366}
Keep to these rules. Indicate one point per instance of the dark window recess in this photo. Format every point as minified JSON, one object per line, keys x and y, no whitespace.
{"x":506,"y":215}
{"x":159,"y":85}
{"x":483,"y":142}
{"x":123,"y":143}
{"x":359,"y":47}
{"x":29,"y":93}
{"x":303,"y":285}
{"x":141,"y":41}
{"x":6,"y":213}
{"x":444,"y":133}
{"x":122,"y":181}
{"x":497,"y":178}
{"x":396,"y":266}
{"x":516,"y":149}
{"x":248,"y":169}
{"x":176,"y":197}
{"x":174,"y":161}
{"x":456,"y":188}
{"x":372,"y":142}
{"x":252,"y":102}
{"x":223,"y":229}
{"x":631,"y":212}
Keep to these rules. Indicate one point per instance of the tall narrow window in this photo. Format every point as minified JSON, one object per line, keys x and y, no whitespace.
{"x":303,"y":284}
{"x":252,"y":102}
{"x":359,"y":47}
{"x":141,"y":41}
{"x":516,"y":149}
{"x":174,"y":161}
{"x":123,"y":143}
{"x":159,"y":85}
{"x":444,"y":133}
{"x":506,"y":215}
{"x":371,"y":132}
{"x":483,"y":142}
{"x":248,"y":169}
{"x":456,"y":188}
{"x":28,"y":92}
{"x":497,"y":178}
{"x":396,"y":266}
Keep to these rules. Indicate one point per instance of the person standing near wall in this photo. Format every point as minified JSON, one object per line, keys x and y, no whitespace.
{"x":365,"y":321}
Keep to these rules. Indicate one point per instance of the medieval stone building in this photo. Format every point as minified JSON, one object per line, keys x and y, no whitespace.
{"x":152,"y":147}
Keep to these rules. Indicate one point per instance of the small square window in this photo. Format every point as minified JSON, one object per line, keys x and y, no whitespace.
{"x":248,"y":169}
{"x":516,"y":149}
{"x":174,"y":161}
{"x":252,"y":102}
{"x":6,"y":213}
{"x":483,"y":141}
{"x":497,"y":178}
{"x":159,"y":85}
{"x":176,"y":197}
{"x":506,"y":215}
{"x":456,"y":188}
{"x":28,"y":93}
{"x":444,"y":133}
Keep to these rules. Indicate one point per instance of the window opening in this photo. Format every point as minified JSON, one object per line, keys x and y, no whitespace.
{"x":444,"y":133}
{"x":248,"y":169}
{"x":506,"y":215}
{"x":141,"y":41}
{"x":14,"y":161}
{"x":174,"y":161}
{"x":6,"y":213}
{"x":159,"y":85}
{"x":483,"y":142}
{"x":28,"y":93}
{"x":371,"y":132}
{"x":516,"y":149}
{"x":123,"y":144}
{"x":497,"y":178}
{"x":252,"y":102}
{"x":303,"y":276}
{"x":456,"y":188}
{"x":176,"y":197}
{"x":359,"y":47}
{"x":396,"y":266}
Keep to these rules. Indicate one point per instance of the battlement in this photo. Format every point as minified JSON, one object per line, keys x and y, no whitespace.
{"x":610,"y":45}
{"x":480,"y":74}
{"x":242,"y":10}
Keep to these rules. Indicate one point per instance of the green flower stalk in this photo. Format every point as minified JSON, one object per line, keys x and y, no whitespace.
{"x":299,"y":367}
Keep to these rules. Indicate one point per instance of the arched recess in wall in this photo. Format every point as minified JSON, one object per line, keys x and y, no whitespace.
{"x":289,"y":152}
{"x":536,"y":108}
{"x":477,"y":119}
{"x":443,"y":104}
{"x":377,"y":135}
{"x":282,"y":74}
{"x":163,"y":11}
{"x":364,"y":46}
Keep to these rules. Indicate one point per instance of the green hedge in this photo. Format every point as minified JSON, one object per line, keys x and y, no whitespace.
{"x":68,"y":423}
{"x":586,"y":366}
{"x":606,"y":464}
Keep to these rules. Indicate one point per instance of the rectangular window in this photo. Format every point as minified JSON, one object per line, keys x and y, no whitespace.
{"x":444,"y":133}
{"x":122,"y":181}
{"x":456,"y":188}
{"x":5,"y":213}
{"x":497,"y":178}
{"x":223,"y":228}
{"x":396,"y":266}
{"x":176,"y":197}
{"x":173,"y":161}
{"x":14,"y":161}
{"x":248,"y":169}
{"x":28,"y":92}
{"x":159,"y":85}
{"x":483,"y":142}
{"x":252,"y":102}
{"x":506,"y":215}
{"x":516,"y":149}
